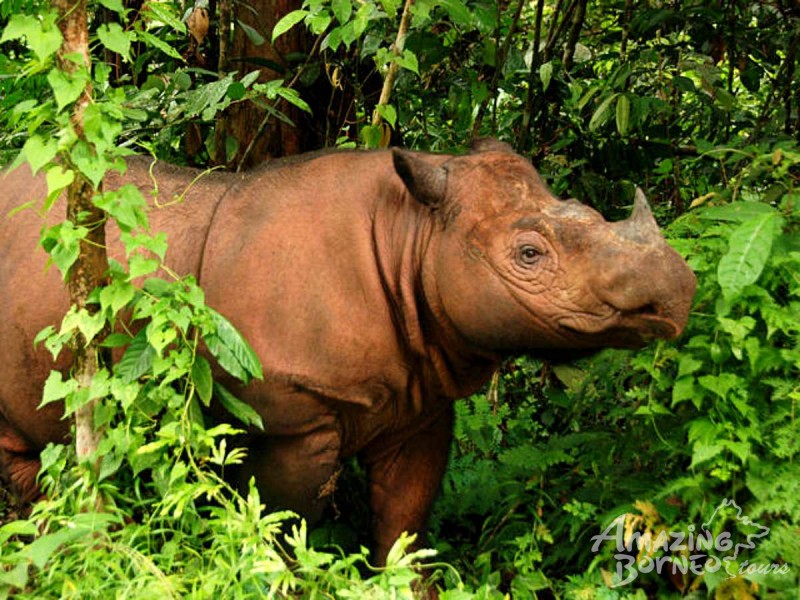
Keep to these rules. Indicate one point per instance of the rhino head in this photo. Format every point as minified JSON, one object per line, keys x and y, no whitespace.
{"x":511,"y":268}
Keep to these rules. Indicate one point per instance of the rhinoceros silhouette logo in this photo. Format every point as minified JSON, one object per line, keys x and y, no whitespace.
{"x":750,"y":544}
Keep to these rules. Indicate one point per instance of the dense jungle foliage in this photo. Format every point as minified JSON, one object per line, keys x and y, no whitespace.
{"x":558,"y":469}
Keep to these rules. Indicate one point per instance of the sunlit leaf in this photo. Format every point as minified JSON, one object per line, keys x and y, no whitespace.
{"x":750,"y":245}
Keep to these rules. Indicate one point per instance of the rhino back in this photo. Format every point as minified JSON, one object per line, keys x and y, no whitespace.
{"x":294,"y":260}
{"x":33,"y":295}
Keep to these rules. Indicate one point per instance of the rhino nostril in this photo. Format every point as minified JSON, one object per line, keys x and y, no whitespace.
{"x":649,"y":309}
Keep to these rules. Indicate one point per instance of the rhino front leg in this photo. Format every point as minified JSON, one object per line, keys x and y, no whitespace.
{"x":404,"y":480}
{"x":297,"y":472}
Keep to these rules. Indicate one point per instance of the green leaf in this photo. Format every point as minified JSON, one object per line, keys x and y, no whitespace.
{"x":750,"y":245}
{"x":55,"y":388}
{"x":408,"y":60}
{"x":153,"y":41}
{"x":287,"y":22}
{"x":623,"y":114}
{"x":67,"y":88}
{"x":125,"y":205}
{"x":458,"y":11}
{"x":139,"y":266}
{"x":601,"y":115}
{"x":137,"y":360}
{"x":166,"y":13}
{"x":546,"y":74}
{"x":293,"y":97}
{"x":116,"y":296}
{"x":202,"y":379}
{"x":116,"y":340}
{"x":38,"y":151}
{"x":702,"y":452}
{"x":113,"y":5}
{"x":113,"y":37}
{"x":252,"y":34}
{"x":232,"y":351}
{"x":736,"y":211}
{"x":62,"y":242}
{"x":41,"y":34}
{"x":57,"y":180}
{"x":244,"y":412}
{"x":388,"y":113}
{"x":342,"y":9}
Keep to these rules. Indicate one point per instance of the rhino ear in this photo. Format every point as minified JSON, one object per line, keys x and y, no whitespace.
{"x":488,"y":144}
{"x":426,"y":182}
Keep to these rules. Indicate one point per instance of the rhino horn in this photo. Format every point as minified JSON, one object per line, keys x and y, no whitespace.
{"x":426,"y":182}
{"x":641,"y":226}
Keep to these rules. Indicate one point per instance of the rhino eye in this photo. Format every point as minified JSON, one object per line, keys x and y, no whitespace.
{"x":528,"y":255}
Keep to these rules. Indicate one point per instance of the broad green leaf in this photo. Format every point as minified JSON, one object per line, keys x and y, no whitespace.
{"x":388,"y":112}
{"x":92,"y":165}
{"x":82,"y":320}
{"x":16,"y":577}
{"x":55,"y":388}
{"x":113,"y":37}
{"x":244,"y":412}
{"x":293,"y":97}
{"x":126,"y":206}
{"x":164,"y":12}
{"x":67,"y":88}
{"x":202,"y":379}
{"x":252,"y":34}
{"x":458,"y":11}
{"x":287,"y":22}
{"x":736,"y":211}
{"x":137,"y":360}
{"x":702,"y":452}
{"x":17,"y":527}
{"x":546,"y":74}
{"x":42,"y":34}
{"x":116,"y":340}
{"x":116,"y":296}
{"x":62,"y":242}
{"x":57,"y":180}
{"x":749,"y":248}
{"x":623,"y":114}
{"x":317,"y":23}
{"x":114,"y":5}
{"x":342,"y":9}
{"x":602,"y":114}
{"x":38,"y":151}
{"x":156,"y":42}
{"x":408,"y":60}
{"x":232,"y":351}
{"x":141,"y":265}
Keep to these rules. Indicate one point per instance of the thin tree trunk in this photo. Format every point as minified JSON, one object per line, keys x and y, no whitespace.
{"x":500,"y":60}
{"x":574,"y":33}
{"x":626,"y":25}
{"x":90,"y":268}
{"x":524,"y":132}
{"x":397,"y":49}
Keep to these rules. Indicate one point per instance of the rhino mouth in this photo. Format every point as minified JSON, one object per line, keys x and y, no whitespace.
{"x":622,"y":328}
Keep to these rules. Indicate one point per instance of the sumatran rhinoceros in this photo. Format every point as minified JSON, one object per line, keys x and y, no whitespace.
{"x":376,"y":288}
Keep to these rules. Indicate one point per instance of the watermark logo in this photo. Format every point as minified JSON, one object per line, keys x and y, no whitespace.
{"x":690,"y":551}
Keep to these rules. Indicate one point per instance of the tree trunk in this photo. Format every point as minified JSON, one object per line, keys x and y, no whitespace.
{"x":90,"y":269}
{"x":256,"y":140}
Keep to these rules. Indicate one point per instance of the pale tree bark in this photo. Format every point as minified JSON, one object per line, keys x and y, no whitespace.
{"x":391,"y":73}
{"x":89,"y":271}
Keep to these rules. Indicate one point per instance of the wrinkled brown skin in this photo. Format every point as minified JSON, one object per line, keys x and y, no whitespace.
{"x":373,"y":301}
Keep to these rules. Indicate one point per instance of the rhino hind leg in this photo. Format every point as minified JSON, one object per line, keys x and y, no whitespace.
{"x":19,"y":464}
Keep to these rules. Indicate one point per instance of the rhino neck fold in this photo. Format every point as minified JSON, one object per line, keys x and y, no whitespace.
{"x":402,"y":235}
